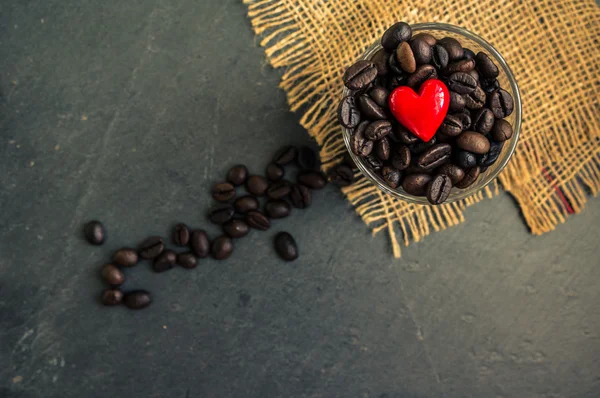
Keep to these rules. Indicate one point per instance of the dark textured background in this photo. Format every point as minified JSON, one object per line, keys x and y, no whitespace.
{"x":127,"y":111}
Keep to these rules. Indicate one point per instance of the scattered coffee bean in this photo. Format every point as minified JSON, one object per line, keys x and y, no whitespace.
{"x":165,"y":261}
{"x":401,"y":158}
{"x":476,"y":99}
{"x":125,"y":257}
{"x":300,"y":196}
{"x":421,"y":48}
{"x":473,"y":142}
{"x":383,"y":148}
{"x":136,"y":300}
{"x":494,"y":153}
{"x":257,"y":185}
{"x":416,"y":184}
{"x":112,"y":275}
{"x":462,"y":83}
{"x":275,"y":172}
{"x":279,"y":189}
{"x":435,"y":156}
{"x":246,"y":203}
{"x":391,"y":176}
{"x":466,"y":159}
{"x":423,"y":73}
{"x":396,"y":34}
{"x":223,"y":191}
{"x":257,"y":220}
{"x":406,"y":58}
{"x":237,"y":175}
{"x":94,"y":232}
{"x":221,"y":213}
{"x":181,"y":235}
{"x":151,"y":247}
{"x":285,"y":246}
{"x":341,"y":175}
{"x":471,"y":176}
{"x":501,"y":103}
{"x":278,"y":209}
{"x":451,"y":126}
{"x":438,"y":189}
{"x":359,"y":143}
{"x":453,"y":171}
{"x":236,"y":229}
{"x":487,"y":67}
{"x":439,"y":57}
{"x":307,"y":158}
{"x":380,"y":59}
{"x":378,"y":129}
{"x":285,"y":155}
{"x":200,"y":244}
{"x":222,"y":247}
{"x":112,"y":297}
{"x":360,"y":75}
{"x":502,"y":130}
{"x":187,"y":260}
{"x":453,"y":47}
{"x":380,"y":96}
{"x":457,"y":102}
{"x":348,"y":113}
{"x":312,"y":179}
{"x":370,"y":109}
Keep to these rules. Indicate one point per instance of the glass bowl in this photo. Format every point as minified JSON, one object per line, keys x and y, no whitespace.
{"x":507,"y":81}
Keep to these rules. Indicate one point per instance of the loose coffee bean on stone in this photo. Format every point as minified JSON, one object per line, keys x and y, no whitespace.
{"x":502,"y":130}
{"x":222,"y":247}
{"x":181,"y":235}
{"x":237,"y":175}
{"x":165,"y":261}
{"x":279,"y":189}
{"x":112,"y":275}
{"x":471,"y":176}
{"x":416,"y":184}
{"x":360,"y":75}
{"x":278,"y":209}
{"x":125,"y":257}
{"x":285,"y":155}
{"x":285,"y":246}
{"x":396,"y":34}
{"x":247,"y":203}
{"x":257,"y":220}
{"x":221,"y":213}
{"x":151,"y":247}
{"x":236,"y":229}
{"x":300,"y":196}
{"x":312,"y":179}
{"x":348,"y":113}
{"x":383,"y":148}
{"x":200,"y":243}
{"x":137,"y":299}
{"x":223,"y":191}
{"x":438,"y":189}
{"x":473,"y":142}
{"x":275,"y":172}
{"x":187,"y":260}
{"x":94,"y":232}
{"x":112,"y":297}
{"x":257,"y":185}
{"x":307,"y":158}
{"x":341,"y":175}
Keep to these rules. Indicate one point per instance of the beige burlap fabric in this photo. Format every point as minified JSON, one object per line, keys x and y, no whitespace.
{"x":552,"y":46}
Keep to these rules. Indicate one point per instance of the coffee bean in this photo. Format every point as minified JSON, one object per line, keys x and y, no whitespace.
{"x":473,"y":142}
{"x":427,"y":38}
{"x":380,"y":59}
{"x":341,"y":175}
{"x":257,"y":185}
{"x":422,"y":146}
{"x":222,"y":247}
{"x":475,"y":74}
{"x":187,"y":260}
{"x":391,"y":176}
{"x":439,"y":57}
{"x":453,"y":171}
{"x":457,"y":102}
{"x":370,"y":109}
{"x":403,"y":135}
{"x":414,"y":169}
{"x":395,"y":35}
{"x":94,"y":232}
{"x":274,"y":172}
{"x":471,"y":176}
{"x":487,"y":67}
{"x":360,"y":75}
{"x":382,"y":148}
{"x":416,"y":184}
{"x":468,"y":54}
{"x":300,"y":196}
{"x":279,"y":189}
{"x":245,"y":204}
{"x":373,"y":162}
{"x":501,"y":103}
{"x":454,"y":48}
{"x":502,"y":130}
{"x":199,"y":243}
{"x":465,"y":118}
{"x":439,"y":189}
{"x":421,"y":49}
{"x":312,"y":179}
{"x":451,"y":126}
{"x":278,"y":209}
{"x":483,"y":120}
{"x":490,"y":85}
{"x":223,"y":191}
{"x":435,"y":156}
{"x":257,"y":220}
{"x":137,"y":299}
{"x":285,"y":155}
{"x":401,"y":158}
{"x":444,"y":138}
{"x":399,"y":75}
{"x":165,"y":261}
{"x":236,"y":229}
{"x":181,"y":235}
{"x":422,"y":74}
{"x":125,"y":257}
{"x":348,"y":113}
{"x":464,"y":65}
{"x":476,"y":99}
{"x":221,"y":213}
{"x":406,"y":58}
{"x":361,"y":146}
{"x":112,"y":297}
{"x":380,"y":96}
{"x":307,"y":158}
{"x":151,"y":247}
{"x":483,"y":170}
{"x":462,"y":83}
{"x":493,"y":154}
{"x":466,"y":159}
{"x":112,"y":275}
{"x":237,"y":175}
{"x":285,"y":246}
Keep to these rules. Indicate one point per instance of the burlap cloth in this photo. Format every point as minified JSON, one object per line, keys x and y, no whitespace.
{"x":552,"y":47}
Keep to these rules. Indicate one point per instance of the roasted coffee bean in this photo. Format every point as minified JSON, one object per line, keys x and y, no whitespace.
{"x":151,"y":247}
{"x":486,"y":66}
{"x":439,"y":189}
{"x":285,"y":246}
{"x":483,"y":170}
{"x":422,"y":146}
{"x":416,"y":184}
{"x":221,"y":213}
{"x":360,"y":75}
{"x":187,"y":260}
{"x":312,"y":179}
{"x":223,"y":191}
{"x":237,"y":175}
{"x":257,"y":185}
{"x":200,"y":244}
{"x":165,"y":261}
{"x":403,"y":135}
{"x":435,"y":156}
{"x":471,"y":176}
{"x":274,"y":172}
{"x":462,"y":83}
{"x":454,"y":48}
{"x":483,"y":120}
{"x":399,"y":75}
{"x":360,"y":144}
{"x":112,"y":275}
{"x":94,"y":232}
{"x":278,"y":209}
{"x":300,"y":196}
{"x":490,"y":85}
{"x":285,"y":155}
{"x":414,"y":169}
{"x":406,"y":58}
{"x":451,"y":126}
{"x":245,"y":204}
{"x":222,"y":247}
{"x":382,"y":148}
{"x":453,"y":171}
{"x":380,"y":59}
{"x":378,"y":129}
{"x":279,"y":189}
{"x":341,"y":175}
{"x":395,"y":35}
{"x":457,"y":102}
{"x":421,"y":48}
{"x":348,"y":113}
{"x":401,"y":157}
{"x":307,"y":158}
{"x":501,"y":103}
{"x":502,"y":130}
{"x":465,"y":119}
{"x":370,"y":109}
{"x":112,"y":297}
{"x":181,"y":235}
{"x":492,"y":155}
{"x":391,"y":176}
{"x":125,"y":257}
{"x":474,"y":142}
{"x":236,"y":229}
{"x":466,"y":159}
{"x":468,"y":54}
{"x":439,"y":57}
{"x":380,"y":96}
{"x":464,"y":65}
{"x":422,"y":74}
{"x":444,"y":138}
{"x":257,"y":220}
{"x":476,"y":99}
{"x":475,"y":74}
{"x":137,"y":299}
{"x":373,"y":162}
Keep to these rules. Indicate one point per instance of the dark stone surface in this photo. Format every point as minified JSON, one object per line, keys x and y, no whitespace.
{"x":126,"y":111}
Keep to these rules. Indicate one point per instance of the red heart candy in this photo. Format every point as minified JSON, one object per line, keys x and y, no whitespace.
{"x":424,"y":113}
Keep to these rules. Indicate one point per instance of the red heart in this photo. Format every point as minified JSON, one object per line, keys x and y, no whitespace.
{"x":424,"y":113}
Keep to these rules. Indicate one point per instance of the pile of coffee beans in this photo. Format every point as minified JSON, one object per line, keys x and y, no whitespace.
{"x":235,"y":213}
{"x":469,"y":140}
